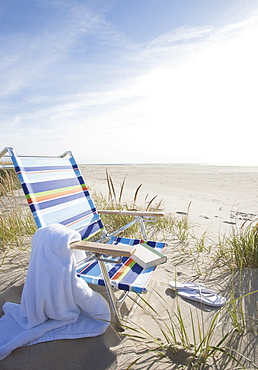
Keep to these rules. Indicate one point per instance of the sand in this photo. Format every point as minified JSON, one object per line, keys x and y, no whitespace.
{"x":216,"y":198}
{"x":217,"y":195}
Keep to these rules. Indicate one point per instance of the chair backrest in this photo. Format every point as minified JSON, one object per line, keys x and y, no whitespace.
{"x":56,"y":192}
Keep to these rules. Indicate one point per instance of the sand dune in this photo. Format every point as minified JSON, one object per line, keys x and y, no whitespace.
{"x":218,"y":198}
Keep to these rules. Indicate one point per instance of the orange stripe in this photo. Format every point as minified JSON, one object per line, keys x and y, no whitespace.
{"x":41,"y":198}
{"x":123,"y":268}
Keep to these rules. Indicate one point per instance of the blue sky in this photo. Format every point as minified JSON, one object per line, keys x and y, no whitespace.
{"x":131,"y":81}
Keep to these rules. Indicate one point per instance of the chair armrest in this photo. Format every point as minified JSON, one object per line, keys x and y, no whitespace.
{"x":108,"y":249}
{"x":131,"y":213}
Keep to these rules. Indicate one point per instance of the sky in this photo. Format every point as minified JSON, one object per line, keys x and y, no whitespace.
{"x":130,"y":81}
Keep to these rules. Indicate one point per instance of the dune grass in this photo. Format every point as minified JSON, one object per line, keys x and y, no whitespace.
{"x":8,"y":181}
{"x":15,"y":228}
{"x":240,"y":248}
{"x":16,"y":222}
{"x":203,"y":344}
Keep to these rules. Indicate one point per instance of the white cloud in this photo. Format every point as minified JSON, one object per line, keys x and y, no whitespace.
{"x":187,"y":102}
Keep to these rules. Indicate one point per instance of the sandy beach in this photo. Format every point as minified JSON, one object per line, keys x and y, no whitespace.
{"x":216,"y":199}
{"x":217,"y":195}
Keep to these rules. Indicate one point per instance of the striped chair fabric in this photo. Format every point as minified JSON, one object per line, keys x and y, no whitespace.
{"x":56,"y":193}
{"x":128,"y":275}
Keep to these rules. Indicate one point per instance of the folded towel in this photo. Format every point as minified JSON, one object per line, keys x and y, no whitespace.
{"x":55,"y":302}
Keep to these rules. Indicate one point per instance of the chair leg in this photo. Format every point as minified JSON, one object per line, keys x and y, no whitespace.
{"x":141,"y":222}
{"x":135,"y":306}
{"x":111,"y":295}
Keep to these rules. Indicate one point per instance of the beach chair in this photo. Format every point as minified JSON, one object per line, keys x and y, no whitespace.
{"x":56,"y":193}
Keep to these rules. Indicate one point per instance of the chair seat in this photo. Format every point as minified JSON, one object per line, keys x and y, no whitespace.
{"x":127,"y":275}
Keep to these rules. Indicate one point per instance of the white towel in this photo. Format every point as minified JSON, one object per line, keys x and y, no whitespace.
{"x":55,"y":303}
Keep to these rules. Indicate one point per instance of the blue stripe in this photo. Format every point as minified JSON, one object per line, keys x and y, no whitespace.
{"x":25,"y":189}
{"x":38,"y":222}
{"x":46,"y":168}
{"x":117,"y":239}
{"x":91,"y":229}
{"x":17,"y":169}
{"x":125,"y":287}
{"x":38,"y":187}
{"x":81,"y":181}
{"x":93,"y":268}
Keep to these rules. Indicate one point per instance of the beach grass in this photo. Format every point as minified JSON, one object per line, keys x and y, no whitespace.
{"x":8,"y":181}
{"x":203,"y":344}
{"x":240,"y":247}
{"x":16,"y":222}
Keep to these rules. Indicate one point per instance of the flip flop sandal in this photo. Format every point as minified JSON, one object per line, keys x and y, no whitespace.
{"x":205,"y":296}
